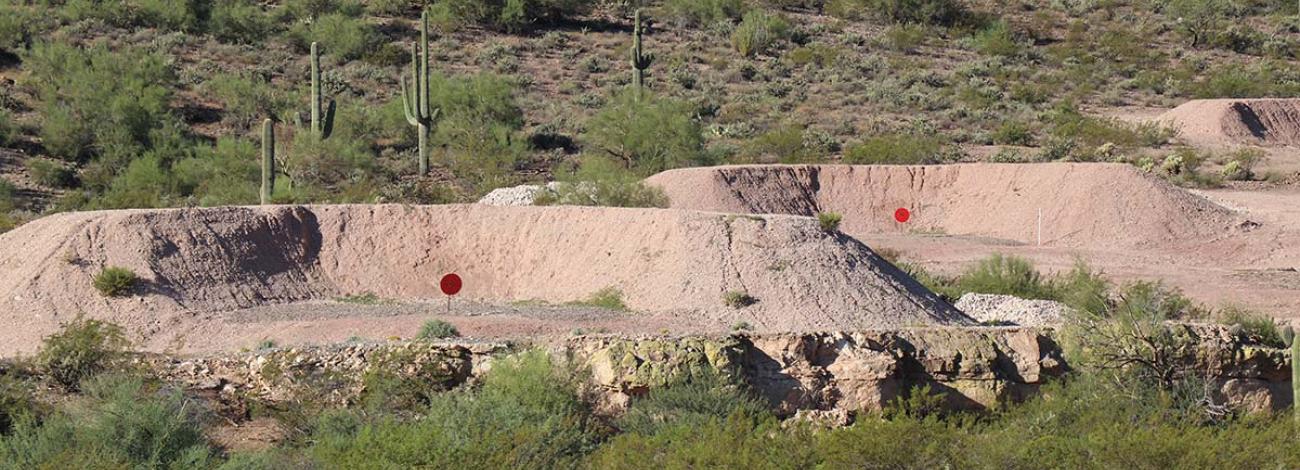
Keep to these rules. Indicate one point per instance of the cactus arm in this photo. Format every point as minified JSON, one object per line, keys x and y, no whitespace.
{"x":268,"y":161}
{"x":328,"y":125}
{"x":316,"y":125}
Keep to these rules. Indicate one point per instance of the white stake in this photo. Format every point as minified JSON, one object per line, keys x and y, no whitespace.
{"x":1040,"y":226}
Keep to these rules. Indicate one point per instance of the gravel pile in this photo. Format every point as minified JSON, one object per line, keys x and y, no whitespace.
{"x":1007,"y":309}
{"x":522,"y":195}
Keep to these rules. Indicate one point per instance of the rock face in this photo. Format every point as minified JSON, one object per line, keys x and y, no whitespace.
{"x":821,"y":376}
{"x":1012,"y":310}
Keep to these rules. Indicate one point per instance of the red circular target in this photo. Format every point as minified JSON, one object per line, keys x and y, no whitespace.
{"x":902,"y":214}
{"x":450,"y":284}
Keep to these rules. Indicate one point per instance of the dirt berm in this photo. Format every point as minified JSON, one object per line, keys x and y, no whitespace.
{"x":196,"y":263}
{"x":1082,"y":204}
{"x":1223,"y":123}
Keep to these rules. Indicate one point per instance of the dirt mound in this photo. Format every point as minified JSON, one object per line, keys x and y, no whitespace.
{"x":1081,"y":204}
{"x":1231,"y":122}
{"x":197,"y":263}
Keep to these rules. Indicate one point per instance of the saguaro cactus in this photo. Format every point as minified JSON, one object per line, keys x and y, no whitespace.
{"x":640,"y":61}
{"x":268,"y":160}
{"x":321,"y":127}
{"x":416,"y":100}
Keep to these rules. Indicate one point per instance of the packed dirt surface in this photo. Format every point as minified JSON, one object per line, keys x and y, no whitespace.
{"x":1238,"y":247}
{"x":1222,"y":123}
{"x":1082,"y":205}
{"x":202,"y":269}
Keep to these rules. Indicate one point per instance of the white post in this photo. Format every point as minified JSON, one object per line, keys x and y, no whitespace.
{"x":1040,"y":226}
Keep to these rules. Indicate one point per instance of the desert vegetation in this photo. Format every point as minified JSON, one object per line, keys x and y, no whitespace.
{"x":154,"y":104}
{"x":530,"y":412}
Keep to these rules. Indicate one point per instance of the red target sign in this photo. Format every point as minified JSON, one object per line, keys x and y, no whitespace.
{"x":450,"y":284}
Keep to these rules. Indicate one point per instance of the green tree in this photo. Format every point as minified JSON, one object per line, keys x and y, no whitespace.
{"x":646,"y":136}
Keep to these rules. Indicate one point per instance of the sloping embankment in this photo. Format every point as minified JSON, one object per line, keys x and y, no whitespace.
{"x":1092,"y":205}
{"x":1223,"y":123}
{"x":196,"y":261}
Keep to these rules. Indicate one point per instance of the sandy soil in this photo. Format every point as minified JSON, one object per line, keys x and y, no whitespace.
{"x":203,"y":269}
{"x":1230,"y":246}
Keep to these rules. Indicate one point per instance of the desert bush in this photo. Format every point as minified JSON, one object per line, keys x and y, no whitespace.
{"x":1199,"y":20}
{"x":115,"y":281}
{"x":997,"y":39}
{"x":7,"y":128}
{"x":608,"y":297}
{"x":169,"y":15}
{"x":8,"y":196}
{"x":702,"y":12}
{"x":338,"y":34}
{"x":1091,"y":132}
{"x":329,"y":166}
{"x":221,"y":174}
{"x":648,"y":135}
{"x":247,"y":98}
{"x":51,"y":174}
{"x":738,"y":299}
{"x":1005,"y":275}
{"x":17,"y":25}
{"x":100,"y":103}
{"x":710,"y":442}
{"x":437,"y":329}
{"x":789,"y":144}
{"x":16,"y":403}
{"x":758,"y":32}
{"x":1082,"y":289}
{"x":895,"y":149}
{"x":1262,"y":78}
{"x":600,"y":181}
{"x":936,"y":12}
{"x":525,"y":415}
{"x":507,"y":15}
{"x":481,"y":126}
{"x":82,"y":349}
{"x":693,"y":400}
{"x":239,"y":21}
{"x":1251,"y":324}
{"x":905,"y":37}
{"x":829,"y":221}
{"x":125,"y":423}
{"x":1241,"y":164}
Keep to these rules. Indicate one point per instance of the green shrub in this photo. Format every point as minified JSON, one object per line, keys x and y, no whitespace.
{"x":525,"y":415}
{"x":239,"y":21}
{"x":17,"y":26}
{"x":829,"y":221}
{"x":123,"y":424}
{"x":731,"y":442}
{"x":998,"y":39}
{"x":693,"y":400}
{"x":437,"y":329}
{"x":601,"y":181}
{"x":936,"y":12}
{"x":647,"y":136}
{"x":507,"y":15}
{"x":221,"y":174}
{"x":47,"y":173}
{"x":895,"y":149}
{"x":8,"y":196}
{"x":330,"y":165}
{"x":1013,"y":133}
{"x":481,"y":126}
{"x":115,"y":281}
{"x":1083,"y":289}
{"x":905,"y":37}
{"x":16,"y":403}
{"x":170,"y":15}
{"x":97,"y":102}
{"x":702,"y":12}
{"x":789,"y":144}
{"x":1005,"y":275}
{"x":82,"y":349}
{"x":738,"y":299}
{"x":1252,"y":324}
{"x":608,"y":298}
{"x":247,"y":98}
{"x":338,"y":34}
{"x":758,"y":32}
{"x":7,"y":128}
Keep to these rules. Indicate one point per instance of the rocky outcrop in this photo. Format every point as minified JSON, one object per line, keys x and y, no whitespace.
{"x":815,"y":375}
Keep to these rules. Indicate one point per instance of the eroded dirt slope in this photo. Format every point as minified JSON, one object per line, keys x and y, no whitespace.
{"x":199,"y":265}
{"x":1223,"y":123}
{"x":1081,"y":204}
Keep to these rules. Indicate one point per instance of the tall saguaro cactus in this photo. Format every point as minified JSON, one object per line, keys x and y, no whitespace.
{"x":416,"y":100}
{"x":640,"y":61}
{"x":321,"y":127}
{"x":268,"y":160}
